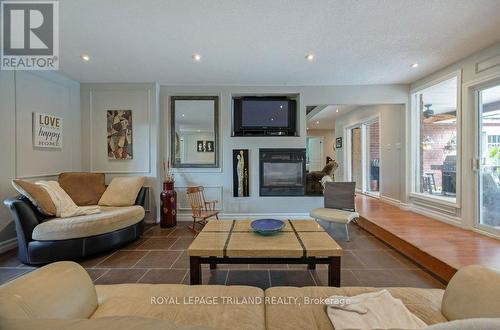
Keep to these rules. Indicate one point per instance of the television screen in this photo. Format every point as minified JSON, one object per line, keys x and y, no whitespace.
{"x":264,"y":113}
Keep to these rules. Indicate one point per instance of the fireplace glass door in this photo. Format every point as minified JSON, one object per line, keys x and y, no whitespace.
{"x":283,"y":174}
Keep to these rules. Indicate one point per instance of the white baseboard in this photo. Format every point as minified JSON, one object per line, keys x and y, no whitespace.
{"x":245,"y":216}
{"x":395,"y":202}
{"x":404,"y":206}
{"x":437,"y":216}
{"x":485,"y":233}
{"x":390,"y":200}
{"x":423,"y":211}
{"x":283,"y":216}
{"x":8,"y":245}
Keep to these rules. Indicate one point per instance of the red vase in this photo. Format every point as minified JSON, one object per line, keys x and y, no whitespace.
{"x":168,"y":206}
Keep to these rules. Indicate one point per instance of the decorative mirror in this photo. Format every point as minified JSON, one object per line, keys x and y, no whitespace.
{"x":194,"y":125}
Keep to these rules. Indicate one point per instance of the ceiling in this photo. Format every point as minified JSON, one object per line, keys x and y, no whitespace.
{"x":325,"y":118}
{"x":442,"y":97}
{"x":263,"y":42}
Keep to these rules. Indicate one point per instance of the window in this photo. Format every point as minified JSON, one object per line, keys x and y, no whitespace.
{"x":493,"y":146}
{"x":435,"y":142}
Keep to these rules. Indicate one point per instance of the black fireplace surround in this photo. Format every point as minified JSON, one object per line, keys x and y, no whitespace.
{"x":282,"y":172}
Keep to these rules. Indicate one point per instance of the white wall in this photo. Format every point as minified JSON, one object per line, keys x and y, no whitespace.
{"x":479,"y":68}
{"x":21,"y":94}
{"x":84,"y":147}
{"x":142,"y":99}
{"x":8,"y":152}
{"x":392,"y":135}
{"x":218,"y":182}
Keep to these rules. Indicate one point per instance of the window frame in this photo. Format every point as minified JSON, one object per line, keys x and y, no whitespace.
{"x":415,"y":144}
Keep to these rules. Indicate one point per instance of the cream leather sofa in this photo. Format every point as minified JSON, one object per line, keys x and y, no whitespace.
{"x":43,"y":239}
{"x":62,"y":296}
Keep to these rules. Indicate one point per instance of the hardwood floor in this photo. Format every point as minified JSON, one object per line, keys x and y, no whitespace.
{"x":439,"y":247}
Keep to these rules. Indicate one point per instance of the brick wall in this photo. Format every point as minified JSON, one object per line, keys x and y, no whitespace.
{"x":374,"y":140}
{"x":440,"y":134}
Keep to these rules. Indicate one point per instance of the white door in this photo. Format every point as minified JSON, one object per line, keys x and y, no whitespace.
{"x":488,"y":169}
{"x":315,"y":146}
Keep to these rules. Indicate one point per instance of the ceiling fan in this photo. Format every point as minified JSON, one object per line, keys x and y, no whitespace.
{"x":430,"y":117}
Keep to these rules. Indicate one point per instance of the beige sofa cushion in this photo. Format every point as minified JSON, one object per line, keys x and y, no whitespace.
{"x":469,"y":324}
{"x":135,"y":300}
{"x":122,"y":191}
{"x":58,"y":290}
{"x":110,"y":219}
{"x":473,"y":292}
{"x":83,"y":188}
{"x":333,"y":215}
{"x":37,"y":195}
{"x":424,"y":303}
{"x":108,"y":323}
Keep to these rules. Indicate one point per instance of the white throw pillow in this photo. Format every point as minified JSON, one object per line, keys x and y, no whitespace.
{"x":122,"y":191}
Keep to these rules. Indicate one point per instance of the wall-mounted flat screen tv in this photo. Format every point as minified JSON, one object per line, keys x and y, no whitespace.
{"x":255,"y":116}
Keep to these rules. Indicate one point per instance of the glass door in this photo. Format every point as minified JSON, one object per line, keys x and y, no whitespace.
{"x":314,"y":153}
{"x":357,"y":158}
{"x":372,"y":146}
{"x":488,"y":168}
{"x":364,"y":152}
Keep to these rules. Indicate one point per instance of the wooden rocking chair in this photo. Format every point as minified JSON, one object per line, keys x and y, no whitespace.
{"x":202,"y":209}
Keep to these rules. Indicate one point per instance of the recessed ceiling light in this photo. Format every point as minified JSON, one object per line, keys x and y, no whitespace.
{"x":414,"y":65}
{"x":85,"y":57}
{"x":196,"y":57}
{"x":183,"y":115}
{"x":310,"y":57}
{"x":317,"y":121}
{"x":337,"y":110}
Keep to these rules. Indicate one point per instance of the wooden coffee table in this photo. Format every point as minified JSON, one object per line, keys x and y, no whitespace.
{"x":234,"y":242}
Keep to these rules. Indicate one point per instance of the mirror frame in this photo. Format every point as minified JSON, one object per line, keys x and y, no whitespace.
{"x":173,"y":99}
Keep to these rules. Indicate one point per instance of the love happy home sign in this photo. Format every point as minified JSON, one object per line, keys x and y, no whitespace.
{"x":47,"y":131}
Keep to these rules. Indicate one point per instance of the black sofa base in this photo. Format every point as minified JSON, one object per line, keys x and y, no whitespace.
{"x":43,"y":252}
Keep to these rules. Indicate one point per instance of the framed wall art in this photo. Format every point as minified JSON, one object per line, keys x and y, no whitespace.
{"x":338,"y":143}
{"x":205,"y":146}
{"x":119,"y":134}
{"x":47,"y":131}
{"x":241,"y":178}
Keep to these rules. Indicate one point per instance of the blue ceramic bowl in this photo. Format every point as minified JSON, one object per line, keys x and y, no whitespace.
{"x":267,"y":226}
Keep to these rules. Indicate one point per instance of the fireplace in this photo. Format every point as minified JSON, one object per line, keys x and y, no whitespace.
{"x":282,"y":172}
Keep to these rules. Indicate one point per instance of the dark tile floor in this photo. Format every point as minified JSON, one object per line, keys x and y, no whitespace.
{"x":159,"y":256}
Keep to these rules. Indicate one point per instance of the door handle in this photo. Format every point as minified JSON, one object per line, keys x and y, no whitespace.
{"x":475,"y":164}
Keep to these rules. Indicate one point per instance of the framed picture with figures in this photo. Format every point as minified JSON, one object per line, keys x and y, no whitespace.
{"x":204,"y":146}
{"x":119,"y":137}
{"x":338,"y":143}
{"x":241,"y":174}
